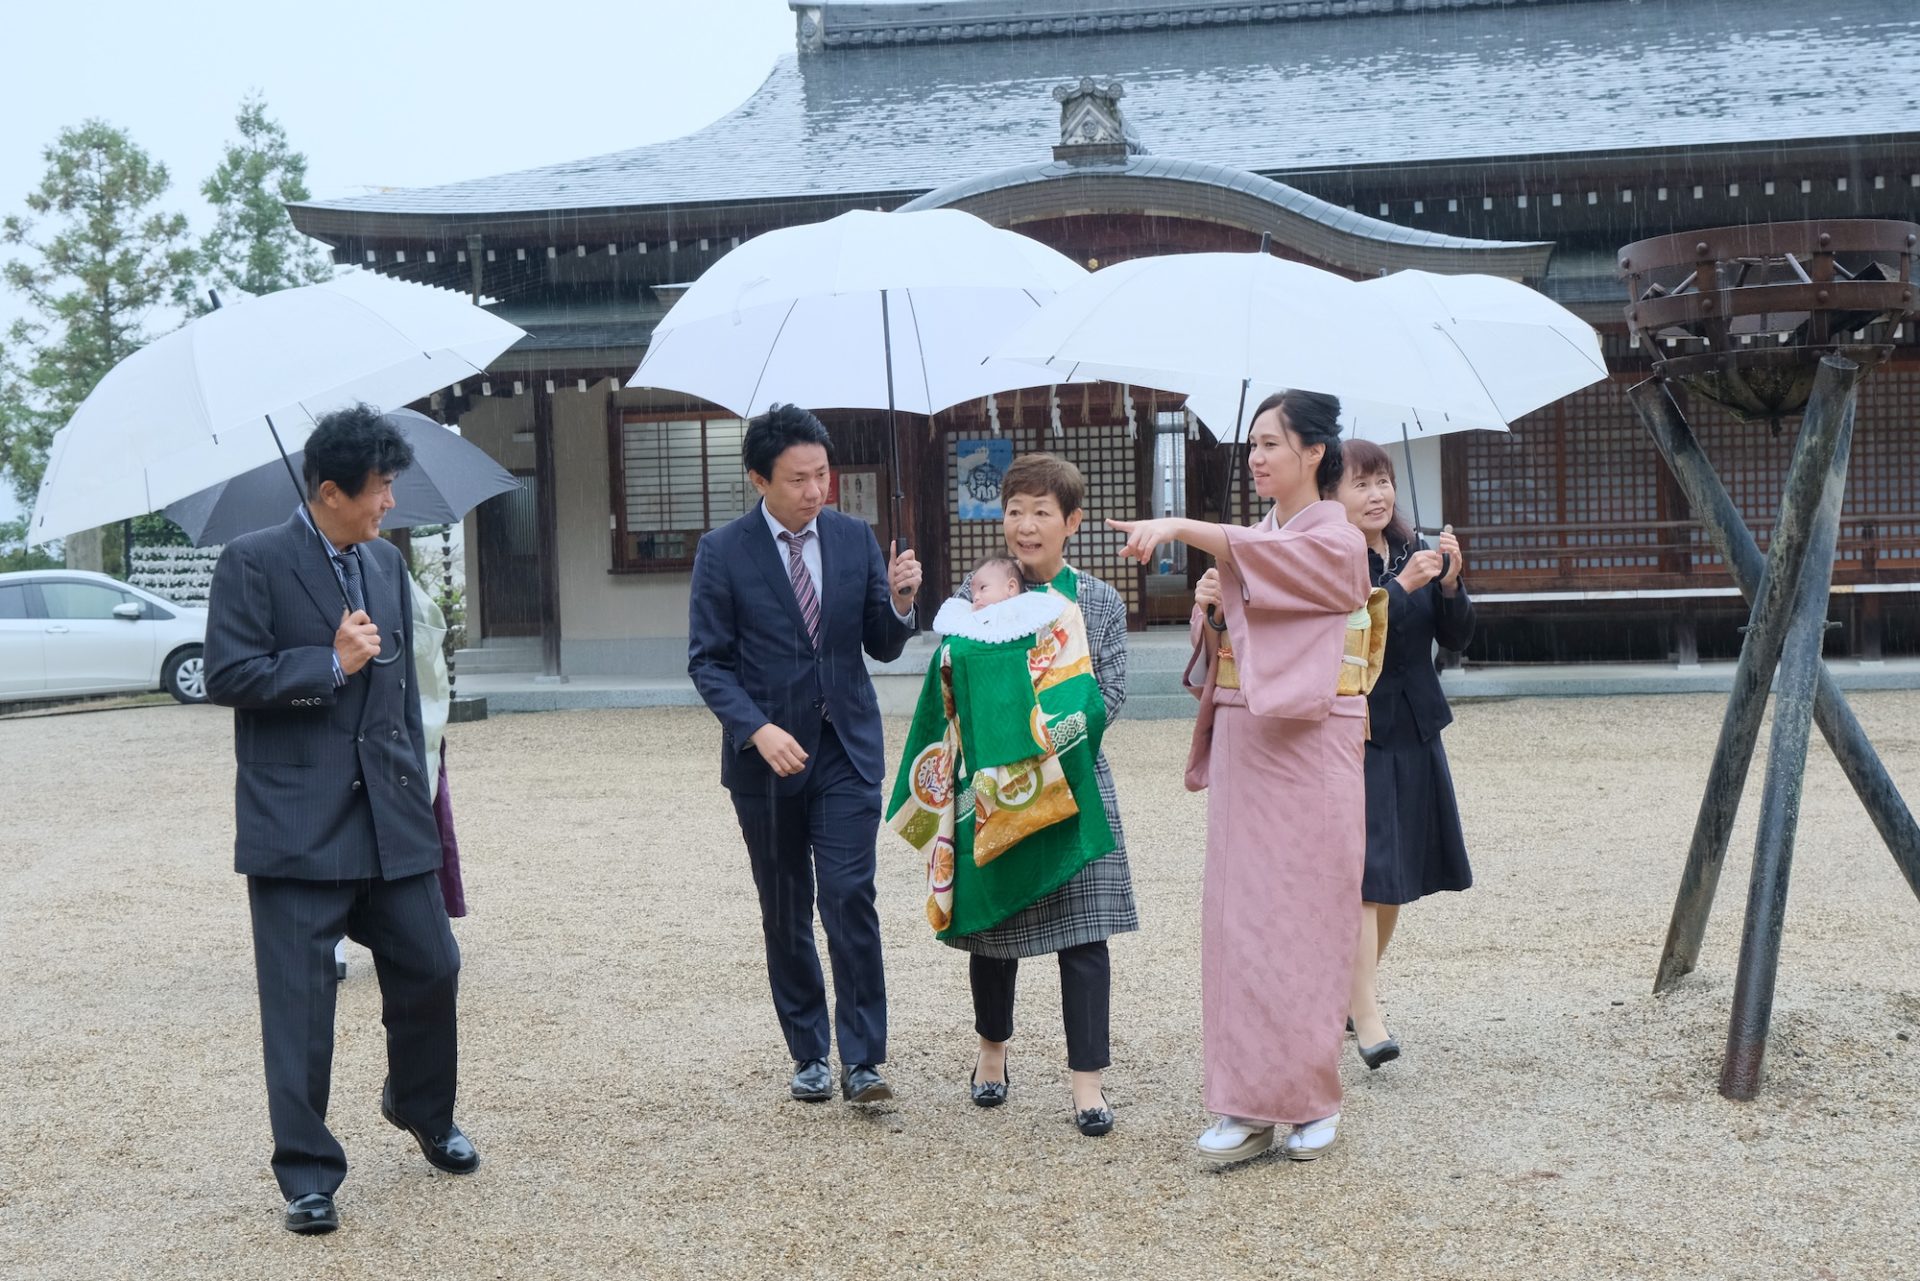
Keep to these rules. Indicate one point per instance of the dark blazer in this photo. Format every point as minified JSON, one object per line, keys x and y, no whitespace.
{"x":331,"y":783}
{"x":749,"y":656}
{"x":1408,"y":684}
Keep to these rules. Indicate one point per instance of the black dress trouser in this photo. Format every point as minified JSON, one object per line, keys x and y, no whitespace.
{"x":1086,"y":984}
{"x":295,"y":926}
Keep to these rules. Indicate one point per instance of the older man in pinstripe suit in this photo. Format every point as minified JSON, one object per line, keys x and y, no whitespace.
{"x":333,"y":827}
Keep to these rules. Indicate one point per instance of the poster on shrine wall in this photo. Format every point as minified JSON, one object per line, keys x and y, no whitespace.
{"x":855,"y":492}
{"x":979,"y":464}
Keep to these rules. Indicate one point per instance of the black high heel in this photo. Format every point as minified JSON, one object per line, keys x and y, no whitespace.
{"x":989,"y":1094}
{"x":1094,"y":1122}
{"x":1375,"y":1055}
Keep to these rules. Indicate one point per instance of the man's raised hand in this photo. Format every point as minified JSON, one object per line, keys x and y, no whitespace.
{"x":903,"y":576}
{"x":357,"y":642}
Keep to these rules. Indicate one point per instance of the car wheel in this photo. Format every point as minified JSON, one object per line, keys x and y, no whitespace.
{"x":185,"y":676}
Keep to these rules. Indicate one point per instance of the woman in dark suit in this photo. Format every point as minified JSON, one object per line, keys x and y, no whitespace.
{"x":1414,"y":843}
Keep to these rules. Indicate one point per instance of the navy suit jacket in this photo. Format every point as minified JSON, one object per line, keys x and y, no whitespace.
{"x":1408,"y":684}
{"x":331,"y":783}
{"x":750,"y":658}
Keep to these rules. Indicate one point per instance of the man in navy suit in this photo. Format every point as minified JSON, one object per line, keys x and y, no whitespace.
{"x":307,"y":627}
{"x":785,"y":600}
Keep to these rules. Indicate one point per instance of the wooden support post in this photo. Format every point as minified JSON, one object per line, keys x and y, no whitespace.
{"x":1786,"y":771}
{"x":1838,"y":725}
{"x":547,"y":532}
{"x":1766,"y":635}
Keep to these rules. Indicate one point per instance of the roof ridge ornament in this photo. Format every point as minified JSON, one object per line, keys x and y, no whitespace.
{"x":1092,"y":126}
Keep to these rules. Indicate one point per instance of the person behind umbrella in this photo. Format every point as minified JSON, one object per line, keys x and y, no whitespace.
{"x":785,"y":601}
{"x":1414,"y":843}
{"x":1279,"y":749}
{"x":308,"y":626}
{"x":1041,"y":498}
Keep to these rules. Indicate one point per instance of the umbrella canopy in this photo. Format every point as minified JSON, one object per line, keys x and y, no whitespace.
{"x":1227,"y":329}
{"x":194,"y":407}
{"x":863,"y":311}
{"x":450,"y":476}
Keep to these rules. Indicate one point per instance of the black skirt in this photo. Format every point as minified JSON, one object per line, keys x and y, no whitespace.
{"x":1414,"y":843}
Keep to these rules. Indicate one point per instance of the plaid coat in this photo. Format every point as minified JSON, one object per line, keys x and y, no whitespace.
{"x":1098,"y":902}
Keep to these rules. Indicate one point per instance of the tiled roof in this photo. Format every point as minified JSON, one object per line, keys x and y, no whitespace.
{"x":1411,"y":87}
{"x":1202,"y":173}
{"x":864,"y":23}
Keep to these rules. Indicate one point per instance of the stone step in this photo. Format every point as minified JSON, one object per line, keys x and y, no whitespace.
{"x":1145,"y":684}
{"x":1159,"y":707}
{"x":496,"y":656}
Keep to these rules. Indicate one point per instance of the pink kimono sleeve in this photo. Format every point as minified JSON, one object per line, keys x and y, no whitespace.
{"x":1286,"y":595}
{"x":1315,"y":570}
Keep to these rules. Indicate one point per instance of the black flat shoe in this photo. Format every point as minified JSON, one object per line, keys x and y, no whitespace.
{"x":989,"y":1094}
{"x":312,"y":1214}
{"x":864,"y":1084}
{"x":1374,"y":1055}
{"x":452,"y":1151}
{"x":812,"y":1081}
{"x":1094,"y":1122}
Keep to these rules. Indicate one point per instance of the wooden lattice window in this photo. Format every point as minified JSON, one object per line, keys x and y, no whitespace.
{"x":1513,"y":480}
{"x":1106,"y":455}
{"x":674,"y":478}
{"x":1883,"y":485}
{"x":1611,"y":486}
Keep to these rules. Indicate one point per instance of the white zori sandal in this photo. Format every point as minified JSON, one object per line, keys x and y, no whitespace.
{"x":1312,"y":1140}
{"x":1231,"y":1139}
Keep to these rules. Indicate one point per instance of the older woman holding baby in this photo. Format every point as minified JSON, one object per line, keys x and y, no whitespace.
{"x":1279,"y":749}
{"x":1041,"y":497}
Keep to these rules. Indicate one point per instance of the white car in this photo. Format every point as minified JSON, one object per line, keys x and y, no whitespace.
{"x":65,"y":633}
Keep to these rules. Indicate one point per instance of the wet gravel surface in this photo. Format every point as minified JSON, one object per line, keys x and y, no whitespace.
{"x":624,"y":1078}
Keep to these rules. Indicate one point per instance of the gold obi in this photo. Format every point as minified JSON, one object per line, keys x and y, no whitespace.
{"x":1366,"y":645}
{"x":1360,"y":662}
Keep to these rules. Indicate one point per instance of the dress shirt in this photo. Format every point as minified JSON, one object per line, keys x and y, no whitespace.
{"x":810,"y":557}
{"x":333,"y":559}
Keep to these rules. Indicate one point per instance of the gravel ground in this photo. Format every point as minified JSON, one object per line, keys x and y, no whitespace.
{"x":624,"y":1079}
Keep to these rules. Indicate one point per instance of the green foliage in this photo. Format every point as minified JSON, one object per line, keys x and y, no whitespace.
{"x":99,"y":258}
{"x":14,"y":554}
{"x":253,"y":246}
{"x":155,"y":530}
{"x":25,"y":433}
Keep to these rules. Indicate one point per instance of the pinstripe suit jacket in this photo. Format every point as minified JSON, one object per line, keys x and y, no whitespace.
{"x":750,"y":658}
{"x":330,"y":782}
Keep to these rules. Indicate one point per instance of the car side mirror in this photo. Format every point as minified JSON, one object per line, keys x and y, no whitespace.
{"x":128,"y":610}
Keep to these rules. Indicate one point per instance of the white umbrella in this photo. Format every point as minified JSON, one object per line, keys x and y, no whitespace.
{"x":1420,"y":355}
{"x":224,"y":393}
{"x":864,"y":311}
{"x":1213,"y":325}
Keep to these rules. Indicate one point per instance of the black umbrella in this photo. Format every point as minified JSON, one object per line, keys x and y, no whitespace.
{"x":450,"y":476}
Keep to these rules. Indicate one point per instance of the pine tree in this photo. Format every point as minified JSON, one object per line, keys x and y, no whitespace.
{"x":253,"y":246}
{"x":99,"y":259}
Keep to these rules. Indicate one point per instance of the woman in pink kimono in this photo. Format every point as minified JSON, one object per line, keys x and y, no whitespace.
{"x":1282,"y":754}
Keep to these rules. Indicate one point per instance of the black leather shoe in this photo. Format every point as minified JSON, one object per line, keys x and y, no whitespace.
{"x":863,"y":1083}
{"x":1374,"y":1055}
{"x":1094,"y":1122}
{"x":812,"y":1081}
{"x":989,"y":1094}
{"x":312,"y":1214}
{"x":452,"y":1151}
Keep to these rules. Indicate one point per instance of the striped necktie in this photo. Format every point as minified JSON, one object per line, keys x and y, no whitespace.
{"x":348,"y":561}
{"x":803,"y":583}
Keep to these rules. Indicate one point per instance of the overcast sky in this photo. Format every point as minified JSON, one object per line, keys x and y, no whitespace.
{"x":400,"y":93}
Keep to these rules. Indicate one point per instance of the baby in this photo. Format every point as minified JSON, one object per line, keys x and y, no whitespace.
{"x":993,"y":580}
